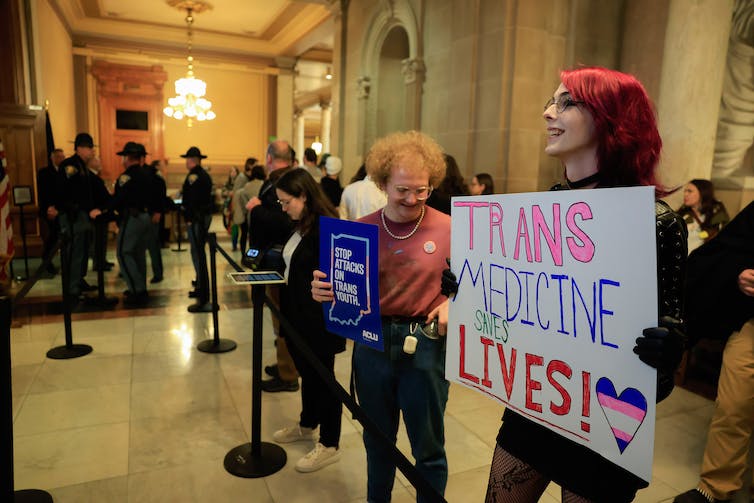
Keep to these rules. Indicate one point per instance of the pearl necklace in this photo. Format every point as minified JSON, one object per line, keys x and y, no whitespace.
{"x":413,"y":231}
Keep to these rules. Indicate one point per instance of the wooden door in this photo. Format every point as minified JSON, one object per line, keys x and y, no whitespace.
{"x":124,"y":90}
{"x":22,"y":131}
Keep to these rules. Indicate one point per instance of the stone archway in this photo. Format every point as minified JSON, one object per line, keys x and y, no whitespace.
{"x":391,"y":90}
{"x":390,"y":59}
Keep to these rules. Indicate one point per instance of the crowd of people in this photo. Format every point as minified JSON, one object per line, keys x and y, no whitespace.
{"x":600,"y":125}
{"x":74,"y":202}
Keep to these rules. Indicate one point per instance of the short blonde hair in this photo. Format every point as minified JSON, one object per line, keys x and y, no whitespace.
{"x":397,"y":146}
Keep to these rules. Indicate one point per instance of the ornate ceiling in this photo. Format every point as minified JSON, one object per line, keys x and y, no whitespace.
{"x":257,"y":32}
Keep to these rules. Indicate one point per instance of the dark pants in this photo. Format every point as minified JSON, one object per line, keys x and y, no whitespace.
{"x":319,"y":406}
{"x":51,"y":237}
{"x":197,"y":233}
{"x":132,"y":249}
{"x":76,"y":225}
{"x":244,"y":235}
{"x":98,"y":248}
{"x":155,"y":249}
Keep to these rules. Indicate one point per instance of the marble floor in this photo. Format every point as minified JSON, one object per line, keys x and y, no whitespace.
{"x":146,"y":417}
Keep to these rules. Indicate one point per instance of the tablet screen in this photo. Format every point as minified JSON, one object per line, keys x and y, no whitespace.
{"x":244,"y":278}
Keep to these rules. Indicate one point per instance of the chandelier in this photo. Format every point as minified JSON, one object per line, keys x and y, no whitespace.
{"x":189,"y":101}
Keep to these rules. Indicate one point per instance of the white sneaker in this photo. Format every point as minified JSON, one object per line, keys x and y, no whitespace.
{"x":293,"y":434}
{"x":317,"y":458}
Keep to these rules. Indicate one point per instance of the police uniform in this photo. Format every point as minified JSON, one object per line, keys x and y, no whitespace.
{"x":47,"y":185}
{"x":197,"y":210}
{"x":130,"y":201}
{"x":155,"y":204}
{"x":74,"y":201}
{"x":98,"y":234}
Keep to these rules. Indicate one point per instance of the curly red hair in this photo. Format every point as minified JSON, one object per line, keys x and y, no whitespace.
{"x":629,"y":143}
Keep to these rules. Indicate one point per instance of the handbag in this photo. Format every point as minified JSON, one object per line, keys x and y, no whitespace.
{"x":706,"y":233}
{"x":266,"y":259}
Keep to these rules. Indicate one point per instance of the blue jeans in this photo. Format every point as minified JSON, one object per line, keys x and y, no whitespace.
{"x":392,"y":382}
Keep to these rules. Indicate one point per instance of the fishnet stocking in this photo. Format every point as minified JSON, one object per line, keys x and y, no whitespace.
{"x":513,"y":481}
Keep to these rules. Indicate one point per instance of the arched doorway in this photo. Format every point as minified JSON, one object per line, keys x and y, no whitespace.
{"x":390,"y":86}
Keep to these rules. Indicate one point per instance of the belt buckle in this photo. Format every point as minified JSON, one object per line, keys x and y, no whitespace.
{"x":428,"y":330}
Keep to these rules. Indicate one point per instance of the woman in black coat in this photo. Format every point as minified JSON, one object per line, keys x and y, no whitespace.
{"x":303,"y":200}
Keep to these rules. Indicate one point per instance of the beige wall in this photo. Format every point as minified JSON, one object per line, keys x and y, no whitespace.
{"x":240,"y":130}
{"x":56,"y":74}
{"x":490,"y":65}
{"x":691,"y":84}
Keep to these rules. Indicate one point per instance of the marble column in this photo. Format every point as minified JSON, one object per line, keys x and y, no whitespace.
{"x":364,"y":138}
{"x":285,"y":98}
{"x":691,"y":81}
{"x":324,"y":129}
{"x":298,"y":139}
{"x":413,"y":76}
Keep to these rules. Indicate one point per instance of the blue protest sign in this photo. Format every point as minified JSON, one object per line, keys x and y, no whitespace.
{"x":348,"y":254}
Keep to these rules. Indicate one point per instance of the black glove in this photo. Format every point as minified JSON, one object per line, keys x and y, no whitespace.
{"x":448,"y":283}
{"x":662,"y":347}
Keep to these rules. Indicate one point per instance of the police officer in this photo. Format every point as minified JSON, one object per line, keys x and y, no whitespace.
{"x":130,"y":201}
{"x":197,"y":210}
{"x":74,"y":204}
{"x":98,"y":234}
{"x":47,"y":183}
{"x":156,"y":206}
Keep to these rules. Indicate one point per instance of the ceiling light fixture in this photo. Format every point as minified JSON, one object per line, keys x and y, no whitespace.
{"x":317,"y":145}
{"x":189,"y":101}
{"x":328,"y":74}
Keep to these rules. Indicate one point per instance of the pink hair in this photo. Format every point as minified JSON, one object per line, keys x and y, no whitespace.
{"x":629,"y":144}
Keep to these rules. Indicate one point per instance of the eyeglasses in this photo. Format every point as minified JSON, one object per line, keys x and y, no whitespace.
{"x":421,"y":193}
{"x":284,"y":202}
{"x":562,"y":102}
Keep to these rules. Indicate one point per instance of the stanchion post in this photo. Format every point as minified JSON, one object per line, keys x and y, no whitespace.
{"x":100,"y":237}
{"x":65,"y":271}
{"x":257,"y":459}
{"x":180,"y":231}
{"x":23,"y":240}
{"x":215,"y":345}
{"x":257,"y":300}
{"x":70,"y":350}
{"x":7,"y":492}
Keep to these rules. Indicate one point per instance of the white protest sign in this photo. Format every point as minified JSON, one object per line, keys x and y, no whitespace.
{"x":554,"y":288}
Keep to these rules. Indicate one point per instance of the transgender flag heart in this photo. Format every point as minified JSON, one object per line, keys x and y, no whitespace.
{"x":624,"y":412}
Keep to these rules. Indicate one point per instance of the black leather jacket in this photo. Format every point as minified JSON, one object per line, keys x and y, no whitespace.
{"x":535,"y":444}
{"x":672,"y":237}
{"x":672,"y":242}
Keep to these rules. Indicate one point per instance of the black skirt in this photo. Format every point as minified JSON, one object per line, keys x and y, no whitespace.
{"x":568,"y":464}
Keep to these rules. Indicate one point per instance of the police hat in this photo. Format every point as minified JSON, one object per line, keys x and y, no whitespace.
{"x":83,"y":140}
{"x":133,"y":149}
{"x":194,"y":152}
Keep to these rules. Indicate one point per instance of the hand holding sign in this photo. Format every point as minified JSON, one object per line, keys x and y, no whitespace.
{"x":348,"y":252}
{"x":321,"y":290}
{"x":542,"y":315}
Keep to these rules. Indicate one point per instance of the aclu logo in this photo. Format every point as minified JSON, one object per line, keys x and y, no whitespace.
{"x":365,"y":334}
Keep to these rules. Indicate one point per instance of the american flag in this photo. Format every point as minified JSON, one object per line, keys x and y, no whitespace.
{"x":6,"y":224}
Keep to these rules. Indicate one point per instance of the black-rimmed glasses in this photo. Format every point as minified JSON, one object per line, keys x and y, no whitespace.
{"x":562,"y":102}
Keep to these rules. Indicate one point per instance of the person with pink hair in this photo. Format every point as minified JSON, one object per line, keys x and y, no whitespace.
{"x":600,"y":124}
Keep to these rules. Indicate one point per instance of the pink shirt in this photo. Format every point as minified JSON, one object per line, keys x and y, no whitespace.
{"x":410,"y":269}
